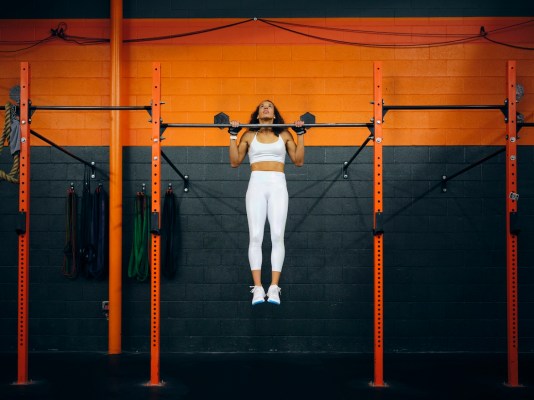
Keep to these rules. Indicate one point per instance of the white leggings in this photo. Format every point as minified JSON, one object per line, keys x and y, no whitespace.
{"x":267,"y":198}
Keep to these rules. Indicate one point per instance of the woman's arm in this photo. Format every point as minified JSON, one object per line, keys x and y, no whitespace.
{"x":239,"y":151}
{"x":295,"y":150}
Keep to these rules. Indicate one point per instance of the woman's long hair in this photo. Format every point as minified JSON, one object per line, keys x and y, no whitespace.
{"x":278,"y":119}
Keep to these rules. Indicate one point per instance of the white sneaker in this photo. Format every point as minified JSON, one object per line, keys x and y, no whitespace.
{"x":259,"y":295}
{"x":274,"y":294}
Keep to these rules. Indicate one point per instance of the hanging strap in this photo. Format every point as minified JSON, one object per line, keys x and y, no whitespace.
{"x":138,"y":265}
{"x":87,"y":253}
{"x":70,"y":252}
{"x":98,"y":268}
{"x":168,"y":230}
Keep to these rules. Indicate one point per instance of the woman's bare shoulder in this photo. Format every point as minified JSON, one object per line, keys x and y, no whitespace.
{"x":248,"y":136}
{"x":285,"y":135}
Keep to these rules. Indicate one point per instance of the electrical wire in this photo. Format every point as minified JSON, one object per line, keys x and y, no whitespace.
{"x":32,"y":44}
{"x":60,"y":33}
{"x":387,"y":45}
{"x":179,"y":35}
{"x":508,"y":45}
{"x":463,"y":39}
{"x":330,"y":28}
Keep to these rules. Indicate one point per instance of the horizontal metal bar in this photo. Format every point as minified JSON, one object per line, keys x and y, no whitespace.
{"x":525,"y":123}
{"x":223,"y":126}
{"x":87,"y":108}
{"x":446,"y":107}
{"x":91,"y":108}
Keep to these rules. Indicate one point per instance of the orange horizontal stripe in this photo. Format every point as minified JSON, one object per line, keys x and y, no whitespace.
{"x":257,"y":32}
{"x":202,"y":76}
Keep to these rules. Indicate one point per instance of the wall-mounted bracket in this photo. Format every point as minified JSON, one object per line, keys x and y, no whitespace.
{"x":185,"y":178}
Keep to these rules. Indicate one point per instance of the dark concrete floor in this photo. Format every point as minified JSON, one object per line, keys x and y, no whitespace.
{"x":265,"y":376}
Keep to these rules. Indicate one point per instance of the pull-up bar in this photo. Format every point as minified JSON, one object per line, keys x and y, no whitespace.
{"x":222,"y":121}
{"x":306,"y":125}
{"x":86,"y":108}
{"x":445,"y":107}
{"x":91,"y":108}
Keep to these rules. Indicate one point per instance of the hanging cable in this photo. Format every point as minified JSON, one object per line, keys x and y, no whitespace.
{"x":138,"y":264}
{"x":60,"y":33}
{"x":379,"y":45}
{"x":70,"y":251}
{"x":168,"y":230}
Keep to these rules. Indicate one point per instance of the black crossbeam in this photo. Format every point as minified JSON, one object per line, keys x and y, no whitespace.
{"x":445,"y":178}
{"x":344,"y":169}
{"x":184,"y":177}
{"x":51,"y":143}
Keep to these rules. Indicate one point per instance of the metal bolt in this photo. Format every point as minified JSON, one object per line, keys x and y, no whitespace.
{"x":155,"y":140}
{"x":345,"y":176}
{"x":512,"y":139}
{"x":23,"y":140}
{"x":512,"y":157}
{"x":155,"y":158}
{"x":378,"y":140}
{"x":378,"y":122}
{"x":23,"y":122}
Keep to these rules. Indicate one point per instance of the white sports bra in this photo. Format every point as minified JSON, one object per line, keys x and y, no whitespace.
{"x":267,"y":151}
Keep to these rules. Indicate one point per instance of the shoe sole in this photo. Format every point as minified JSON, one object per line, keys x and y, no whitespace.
{"x":274,"y":302}
{"x":258,"y":302}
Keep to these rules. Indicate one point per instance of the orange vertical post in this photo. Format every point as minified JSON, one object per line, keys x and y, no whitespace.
{"x":377,"y":230}
{"x":155,"y":238}
{"x":511,"y":235}
{"x":115,"y":187}
{"x":24,"y":228}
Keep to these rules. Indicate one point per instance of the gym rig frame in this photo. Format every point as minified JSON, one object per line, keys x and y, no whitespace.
{"x":379,"y":110}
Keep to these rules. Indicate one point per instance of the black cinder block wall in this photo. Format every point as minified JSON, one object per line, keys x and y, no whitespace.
{"x":444,"y":274}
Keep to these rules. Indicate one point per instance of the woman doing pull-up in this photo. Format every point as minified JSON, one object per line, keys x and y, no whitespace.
{"x":267,"y":196}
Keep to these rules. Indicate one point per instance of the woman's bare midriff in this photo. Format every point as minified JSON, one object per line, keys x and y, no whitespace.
{"x":267,"y":166}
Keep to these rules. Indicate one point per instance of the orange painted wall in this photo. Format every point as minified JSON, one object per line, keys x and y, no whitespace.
{"x":232,"y":70}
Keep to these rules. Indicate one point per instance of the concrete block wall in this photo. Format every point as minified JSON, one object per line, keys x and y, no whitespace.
{"x":444,"y":252}
{"x":444,"y":276}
